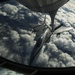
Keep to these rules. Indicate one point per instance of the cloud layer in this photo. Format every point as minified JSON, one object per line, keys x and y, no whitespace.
{"x":17,"y":38}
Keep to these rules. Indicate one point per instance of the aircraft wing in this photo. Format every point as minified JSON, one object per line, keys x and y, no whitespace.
{"x":62,"y":29}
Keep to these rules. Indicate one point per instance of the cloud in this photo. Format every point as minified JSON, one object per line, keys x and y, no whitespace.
{"x":10,"y":9}
{"x":14,"y":36}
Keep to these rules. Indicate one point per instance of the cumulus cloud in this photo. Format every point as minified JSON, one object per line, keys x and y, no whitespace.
{"x":10,"y":9}
{"x":17,"y":39}
{"x":14,"y":36}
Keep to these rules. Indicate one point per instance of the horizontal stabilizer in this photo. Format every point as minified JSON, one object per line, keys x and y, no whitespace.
{"x":62,"y":29}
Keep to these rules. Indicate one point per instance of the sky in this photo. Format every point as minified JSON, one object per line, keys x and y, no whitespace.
{"x":17,"y":38}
